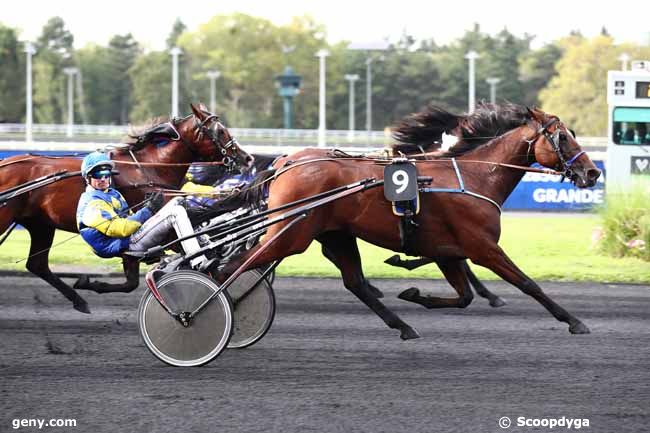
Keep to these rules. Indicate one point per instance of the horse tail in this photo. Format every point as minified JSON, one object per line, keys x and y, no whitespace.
{"x":423,"y":130}
{"x":8,"y":232}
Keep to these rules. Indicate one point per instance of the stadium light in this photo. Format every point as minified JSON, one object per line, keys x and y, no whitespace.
{"x":175,"y":52}
{"x":351,"y":79}
{"x":472,"y":56}
{"x":213,"y":75}
{"x":70,"y":72}
{"x":30,"y":51}
{"x":321,"y":54}
{"x":369,"y":47}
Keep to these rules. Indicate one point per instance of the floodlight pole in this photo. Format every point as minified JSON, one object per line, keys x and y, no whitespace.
{"x":29,"y":50}
{"x":493,"y":81}
{"x":175,"y":52}
{"x":213,"y":75}
{"x":624,"y":58}
{"x":321,"y":54}
{"x":351,"y":79}
{"x":472,"y":56}
{"x":70,"y":72}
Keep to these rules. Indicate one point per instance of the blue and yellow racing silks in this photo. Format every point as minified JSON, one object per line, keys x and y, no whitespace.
{"x":105,"y":222}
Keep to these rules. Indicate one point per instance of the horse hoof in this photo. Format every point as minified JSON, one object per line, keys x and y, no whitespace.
{"x":579,"y":328}
{"x":497,"y":302}
{"x":81,"y":283}
{"x":81,"y":306}
{"x":409,"y":333}
{"x":409,"y":294}
{"x":393,"y":260}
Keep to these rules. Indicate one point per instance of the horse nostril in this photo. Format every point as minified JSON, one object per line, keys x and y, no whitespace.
{"x":593,"y":173}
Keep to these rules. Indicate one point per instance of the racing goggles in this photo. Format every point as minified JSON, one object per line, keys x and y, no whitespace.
{"x":102,"y":173}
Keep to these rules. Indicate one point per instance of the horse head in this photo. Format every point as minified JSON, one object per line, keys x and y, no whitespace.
{"x":555,"y":146}
{"x":210,"y":140}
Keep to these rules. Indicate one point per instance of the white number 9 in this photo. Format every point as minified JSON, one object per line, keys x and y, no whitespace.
{"x":401,"y":179}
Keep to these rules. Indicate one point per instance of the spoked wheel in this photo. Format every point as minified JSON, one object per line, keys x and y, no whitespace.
{"x":207,"y":333}
{"x":271,"y":275}
{"x":253,"y":309}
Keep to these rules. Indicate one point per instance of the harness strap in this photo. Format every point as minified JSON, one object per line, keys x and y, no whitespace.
{"x":137,"y":163}
{"x":461,"y":188}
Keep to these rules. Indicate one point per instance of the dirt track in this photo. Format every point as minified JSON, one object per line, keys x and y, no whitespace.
{"x":329,"y":365}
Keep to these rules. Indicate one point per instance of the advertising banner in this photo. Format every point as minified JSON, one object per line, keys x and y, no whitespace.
{"x":538,"y":191}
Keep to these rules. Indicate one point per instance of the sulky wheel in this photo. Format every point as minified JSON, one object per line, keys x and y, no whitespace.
{"x":253,"y":309}
{"x":205,"y":335}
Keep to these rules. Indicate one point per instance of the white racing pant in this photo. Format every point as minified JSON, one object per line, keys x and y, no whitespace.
{"x":157,"y":229}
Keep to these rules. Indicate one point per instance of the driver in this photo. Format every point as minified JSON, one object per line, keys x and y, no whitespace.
{"x":107,"y":224}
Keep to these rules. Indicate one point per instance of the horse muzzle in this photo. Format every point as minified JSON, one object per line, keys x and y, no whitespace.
{"x":586,"y":178}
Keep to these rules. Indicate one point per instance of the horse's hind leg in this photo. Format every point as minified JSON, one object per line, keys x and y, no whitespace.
{"x":408,"y":264}
{"x":131,"y":271}
{"x":332,"y":258}
{"x":481,"y":290}
{"x":495,"y":258}
{"x":341,"y":249}
{"x":42,"y":236}
{"x":454,"y":272}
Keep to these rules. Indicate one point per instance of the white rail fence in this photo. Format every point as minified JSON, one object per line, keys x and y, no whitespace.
{"x":87,"y":137}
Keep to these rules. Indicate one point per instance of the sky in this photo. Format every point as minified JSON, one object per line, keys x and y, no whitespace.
{"x":352,"y":20}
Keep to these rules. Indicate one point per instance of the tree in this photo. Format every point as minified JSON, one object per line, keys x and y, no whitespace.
{"x":577,"y":94}
{"x":53,"y":52}
{"x":123,"y":51}
{"x":12,"y":86}
{"x":248,"y":52}
{"x":151,"y":78}
{"x":98,"y":84}
{"x":177,"y":30}
{"x":536,"y":69}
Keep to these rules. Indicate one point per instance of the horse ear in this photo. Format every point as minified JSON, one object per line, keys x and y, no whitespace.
{"x":531,"y":114}
{"x":203,"y":107}
{"x":535,"y":114}
{"x":197,"y":110}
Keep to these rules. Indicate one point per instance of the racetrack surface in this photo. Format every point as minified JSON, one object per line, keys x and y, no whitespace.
{"x":330,"y":365}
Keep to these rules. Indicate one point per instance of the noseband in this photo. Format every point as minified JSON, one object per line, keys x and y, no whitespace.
{"x":213,"y":135}
{"x":554,"y":140}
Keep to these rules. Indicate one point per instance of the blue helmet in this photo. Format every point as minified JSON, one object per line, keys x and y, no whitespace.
{"x":96,"y":160}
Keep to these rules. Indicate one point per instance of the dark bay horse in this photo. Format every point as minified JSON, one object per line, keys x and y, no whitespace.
{"x":157,"y":158}
{"x":417,"y":136}
{"x":451,"y":227}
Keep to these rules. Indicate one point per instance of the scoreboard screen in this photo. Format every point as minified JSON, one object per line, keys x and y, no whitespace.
{"x":643,"y":89}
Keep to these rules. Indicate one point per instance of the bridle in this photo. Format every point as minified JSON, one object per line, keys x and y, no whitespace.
{"x":213,"y":135}
{"x":554,"y":140}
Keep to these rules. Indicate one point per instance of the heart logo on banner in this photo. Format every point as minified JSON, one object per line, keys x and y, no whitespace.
{"x":642,"y":164}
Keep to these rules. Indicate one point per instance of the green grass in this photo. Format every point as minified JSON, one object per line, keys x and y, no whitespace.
{"x":626,"y":221}
{"x":554,"y":248}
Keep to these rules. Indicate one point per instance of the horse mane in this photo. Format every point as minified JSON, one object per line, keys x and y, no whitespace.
{"x":421,"y":130}
{"x":138,"y":135}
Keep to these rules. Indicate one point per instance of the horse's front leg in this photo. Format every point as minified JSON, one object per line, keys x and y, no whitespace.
{"x":131,"y":268}
{"x":481,"y":290}
{"x":494,"y":258}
